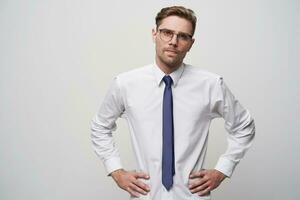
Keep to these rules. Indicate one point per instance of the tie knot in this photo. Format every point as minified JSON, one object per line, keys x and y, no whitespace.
{"x":168,"y":80}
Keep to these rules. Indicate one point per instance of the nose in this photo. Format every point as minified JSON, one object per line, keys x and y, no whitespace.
{"x":174,"y":41}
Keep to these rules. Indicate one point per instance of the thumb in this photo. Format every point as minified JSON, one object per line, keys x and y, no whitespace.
{"x":202,"y":172}
{"x":141,"y":175}
{"x":199,"y":173}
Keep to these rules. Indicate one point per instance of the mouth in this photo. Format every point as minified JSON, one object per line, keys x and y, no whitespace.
{"x":171,"y":51}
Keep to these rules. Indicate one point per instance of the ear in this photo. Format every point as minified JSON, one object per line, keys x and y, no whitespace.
{"x":193,"y":40}
{"x":154,"y":33}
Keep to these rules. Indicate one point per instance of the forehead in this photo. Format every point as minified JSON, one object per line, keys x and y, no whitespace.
{"x":177,"y":24}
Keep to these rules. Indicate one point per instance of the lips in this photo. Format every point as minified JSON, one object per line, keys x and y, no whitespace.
{"x":171,"y":51}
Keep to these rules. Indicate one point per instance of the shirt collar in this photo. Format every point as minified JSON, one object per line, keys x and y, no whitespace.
{"x":159,"y":74}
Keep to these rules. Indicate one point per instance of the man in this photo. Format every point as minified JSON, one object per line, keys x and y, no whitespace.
{"x":169,"y":106}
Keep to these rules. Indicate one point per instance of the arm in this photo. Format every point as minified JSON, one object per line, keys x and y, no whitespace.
{"x":102,"y":126}
{"x":241,"y":130}
{"x":238,"y":123}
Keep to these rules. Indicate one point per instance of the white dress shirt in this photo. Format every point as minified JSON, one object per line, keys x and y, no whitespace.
{"x":198,"y":97}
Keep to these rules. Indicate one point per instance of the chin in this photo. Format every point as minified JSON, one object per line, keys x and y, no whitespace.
{"x":172,"y":64}
{"x":172,"y":60}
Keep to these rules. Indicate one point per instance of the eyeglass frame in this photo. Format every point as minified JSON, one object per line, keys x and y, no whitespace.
{"x":177,"y":34}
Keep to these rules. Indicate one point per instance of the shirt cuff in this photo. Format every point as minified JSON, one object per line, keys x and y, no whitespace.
{"x":112,"y":164}
{"x":225,"y":166}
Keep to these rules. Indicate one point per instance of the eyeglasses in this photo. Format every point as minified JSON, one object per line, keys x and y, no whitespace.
{"x":167,"y":35}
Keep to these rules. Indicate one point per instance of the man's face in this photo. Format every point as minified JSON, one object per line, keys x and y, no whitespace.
{"x":171,"y":53}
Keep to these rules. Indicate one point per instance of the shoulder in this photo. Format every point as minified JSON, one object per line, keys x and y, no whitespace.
{"x":199,"y":73}
{"x":134,"y":75}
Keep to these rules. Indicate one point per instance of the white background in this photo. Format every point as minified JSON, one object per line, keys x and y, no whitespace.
{"x":57,"y":58}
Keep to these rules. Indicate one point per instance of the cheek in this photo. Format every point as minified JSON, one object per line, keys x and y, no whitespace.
{"x":184,"y":50}
{"x":158,"y":47}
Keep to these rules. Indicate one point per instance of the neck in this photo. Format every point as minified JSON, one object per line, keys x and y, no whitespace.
{"x":167,"y":69}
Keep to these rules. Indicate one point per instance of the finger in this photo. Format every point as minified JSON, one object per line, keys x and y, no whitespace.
{"x":133,"y":171}
{"x":141,"y":175}
{"x":204,"y":192}
{"x":137,"y":189}
{"x":194,"y":174}
{"x":197,"y":183}
{"x":200,"y":173}
{"x":200,"y":188}
{"x":132,"y":192}
{"x":142,"y":185}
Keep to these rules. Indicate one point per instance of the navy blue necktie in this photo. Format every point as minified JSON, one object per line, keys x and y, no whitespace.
{"x":168,"y":166}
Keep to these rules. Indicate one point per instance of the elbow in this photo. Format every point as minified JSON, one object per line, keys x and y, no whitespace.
{"x":243,"y":128}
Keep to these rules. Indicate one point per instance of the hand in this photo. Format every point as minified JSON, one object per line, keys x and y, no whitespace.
{"x":203,"y":181}
{"x":128,"y":181}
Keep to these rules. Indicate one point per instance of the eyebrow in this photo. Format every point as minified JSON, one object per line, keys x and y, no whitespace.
{"x":176,"y":31}
{"x":179,"y":32}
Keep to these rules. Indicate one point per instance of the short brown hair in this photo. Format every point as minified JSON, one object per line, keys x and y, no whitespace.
{"x":179,"y":11}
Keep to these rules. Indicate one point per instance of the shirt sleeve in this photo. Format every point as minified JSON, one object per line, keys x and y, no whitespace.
{"x":238,"y":123}
{"x":102,"y":126}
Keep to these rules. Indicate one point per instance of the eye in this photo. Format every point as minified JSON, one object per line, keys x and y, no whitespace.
{"x":183,"y":36}
{"x":167,"y":32}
